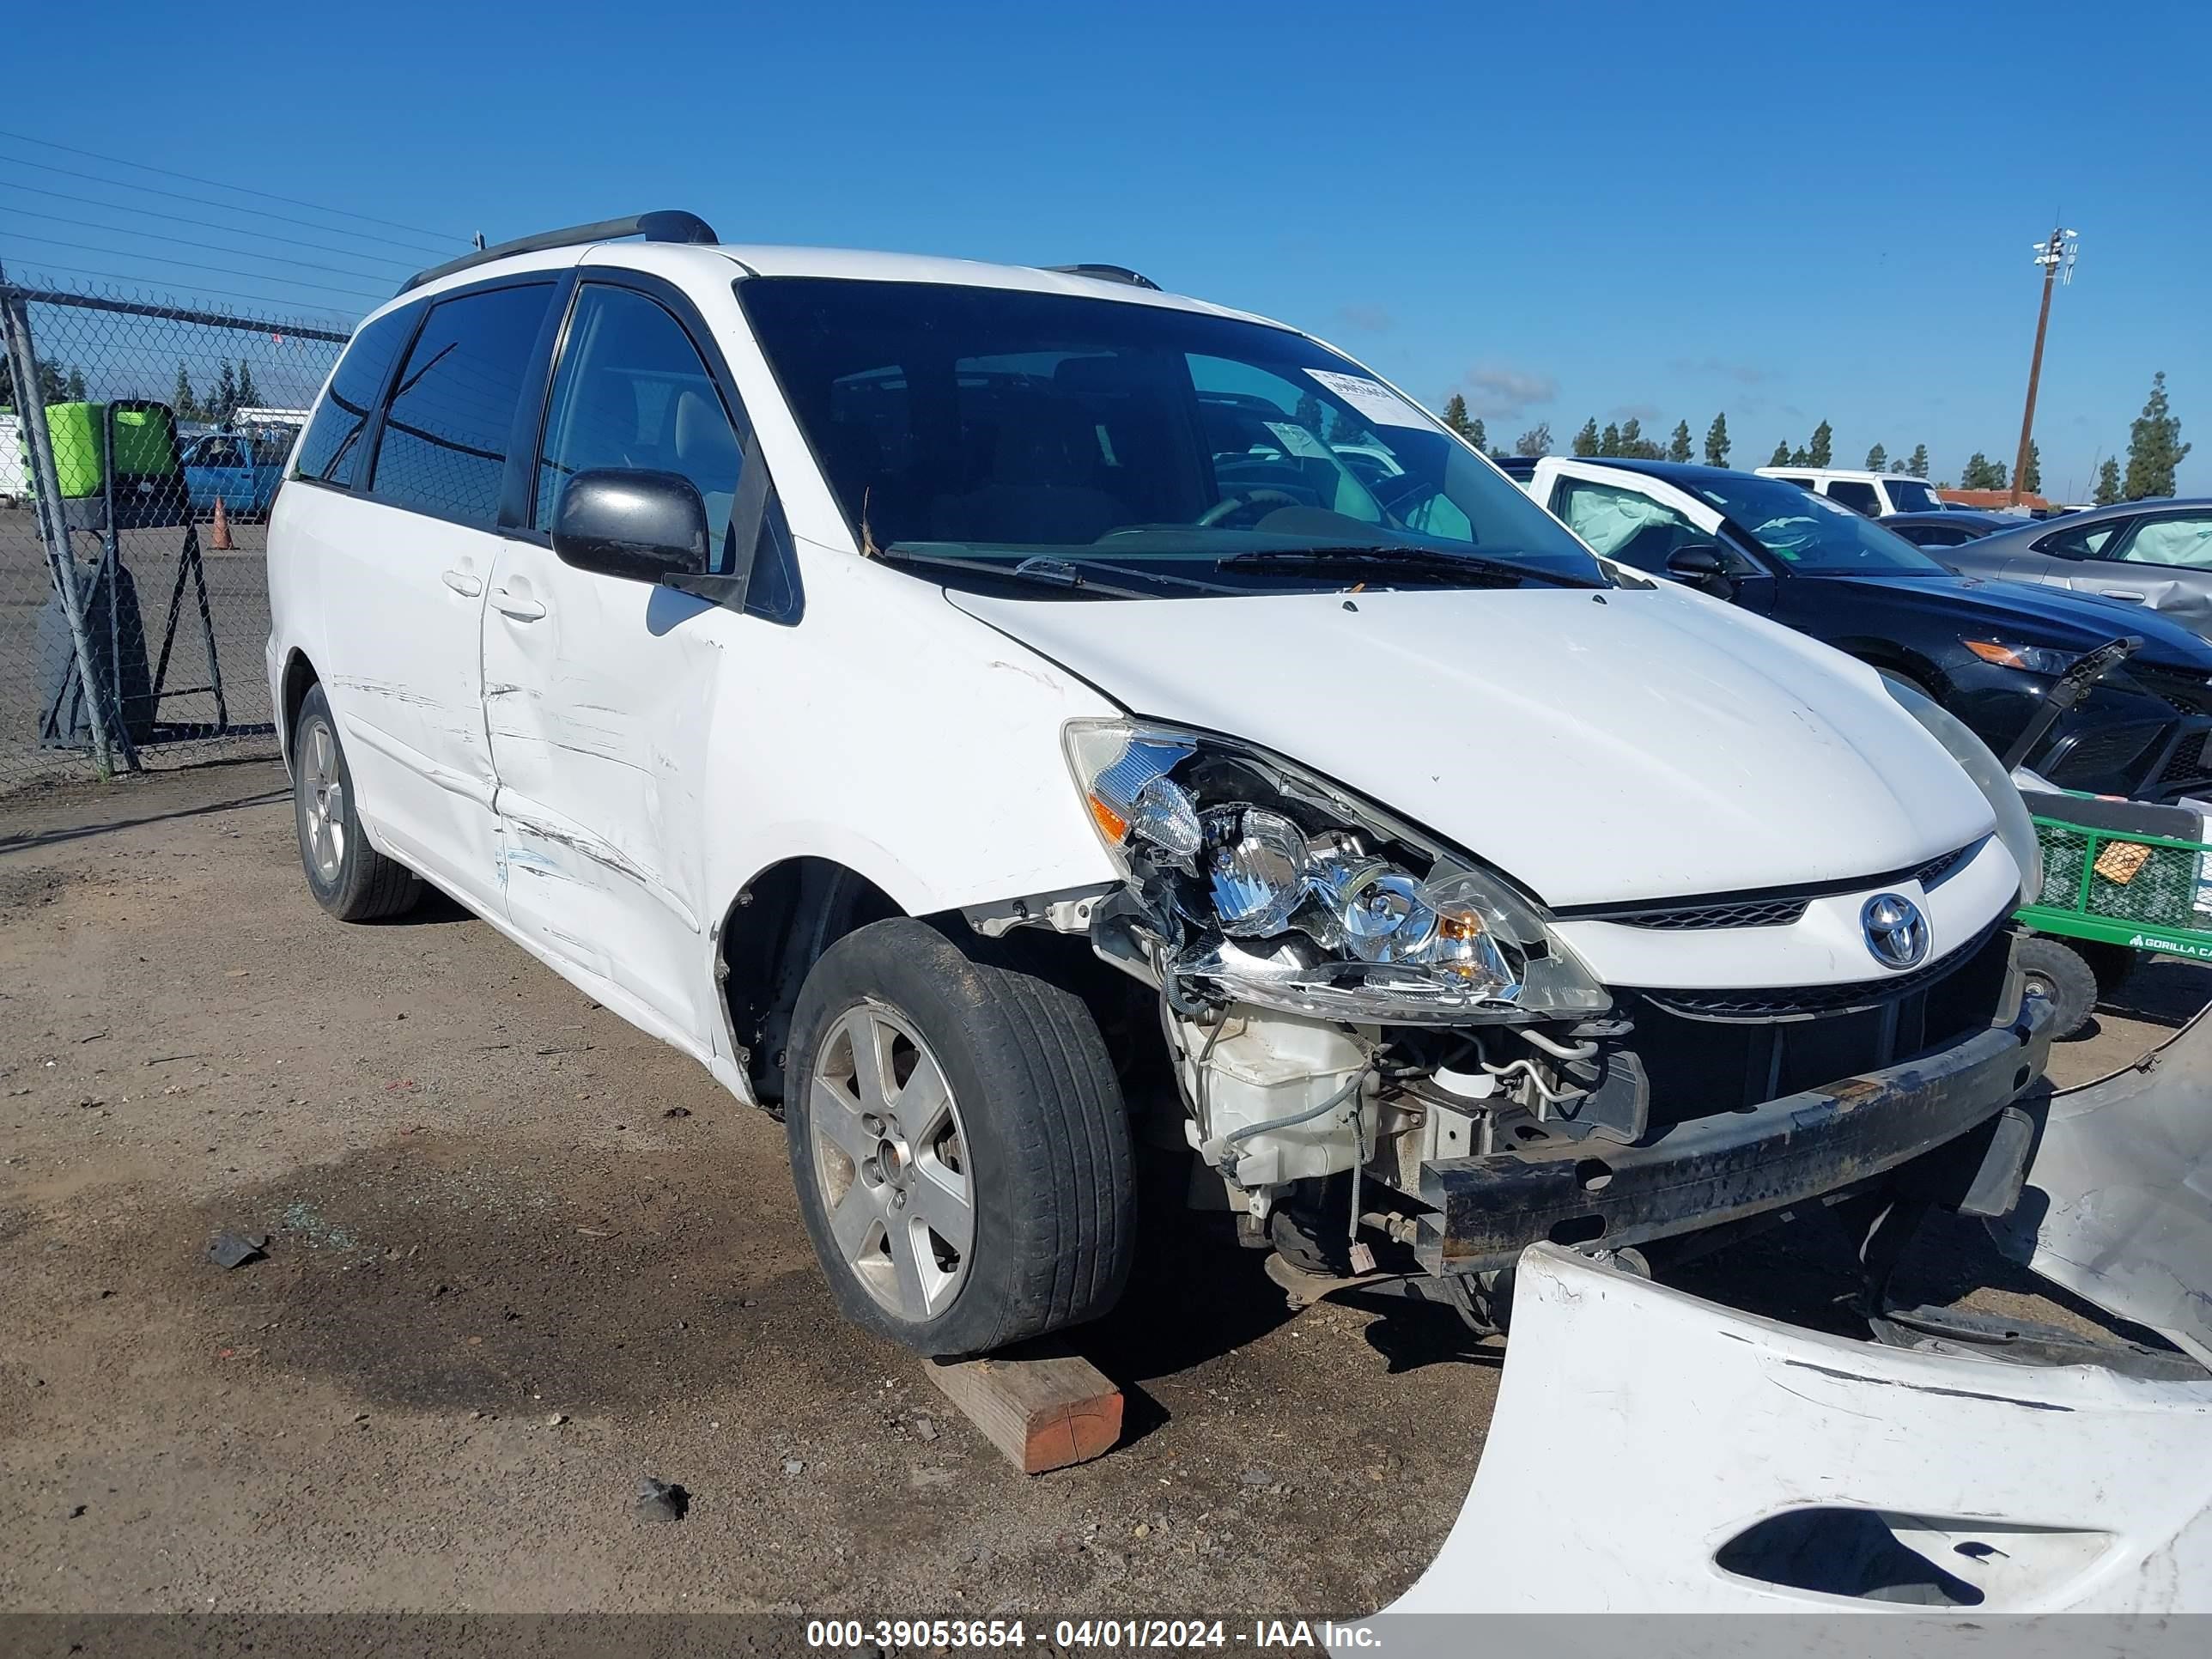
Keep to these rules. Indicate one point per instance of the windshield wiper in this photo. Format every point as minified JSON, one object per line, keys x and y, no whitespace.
{"x":1042,"y":573}
{"x":1410,"y":559}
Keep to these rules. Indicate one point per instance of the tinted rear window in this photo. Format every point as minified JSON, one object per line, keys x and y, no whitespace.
{"x":444,"y":447}
{"x":330,"y":451}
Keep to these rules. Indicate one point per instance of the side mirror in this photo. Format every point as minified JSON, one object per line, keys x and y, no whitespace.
{"x":638,"y":525}
{"x":1700,"y":564}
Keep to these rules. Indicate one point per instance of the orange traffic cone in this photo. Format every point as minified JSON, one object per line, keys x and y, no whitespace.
{"x":219,"y":539}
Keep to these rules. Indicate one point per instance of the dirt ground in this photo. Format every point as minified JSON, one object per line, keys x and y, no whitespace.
{"x":522,"y":1254}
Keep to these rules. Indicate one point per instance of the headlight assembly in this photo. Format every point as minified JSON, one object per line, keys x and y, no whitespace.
{"x":2029,"y":659}
{"x":1264,"y":883}
{"x":2015,"y":828}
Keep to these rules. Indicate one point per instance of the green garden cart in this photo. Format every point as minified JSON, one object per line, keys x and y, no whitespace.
{"x":2121,"y":879}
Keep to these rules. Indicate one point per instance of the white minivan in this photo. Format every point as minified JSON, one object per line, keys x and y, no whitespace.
{"x":997,"y":716}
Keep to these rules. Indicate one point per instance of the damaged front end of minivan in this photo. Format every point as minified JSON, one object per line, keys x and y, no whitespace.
{"x":1372,"y":1031}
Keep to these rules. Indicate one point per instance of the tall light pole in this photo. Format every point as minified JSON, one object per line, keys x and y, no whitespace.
{"x":2056,"y":254}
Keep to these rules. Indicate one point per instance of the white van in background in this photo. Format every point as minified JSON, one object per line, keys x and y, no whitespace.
{"x":1874,"y":493}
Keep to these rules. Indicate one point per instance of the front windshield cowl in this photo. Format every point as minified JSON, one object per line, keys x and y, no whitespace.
{"x":1133,"y":443}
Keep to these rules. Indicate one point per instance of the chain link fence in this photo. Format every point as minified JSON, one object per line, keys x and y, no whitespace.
{"x":136,"y":482}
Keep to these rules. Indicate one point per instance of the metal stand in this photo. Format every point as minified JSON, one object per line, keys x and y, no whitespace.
{"x":190,"y":560}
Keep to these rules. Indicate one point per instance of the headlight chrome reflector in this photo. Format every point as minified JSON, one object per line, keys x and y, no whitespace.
{"x":1295,"y":896}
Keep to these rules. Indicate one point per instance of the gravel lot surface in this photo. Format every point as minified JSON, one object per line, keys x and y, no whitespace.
{"x":521,"y":1255}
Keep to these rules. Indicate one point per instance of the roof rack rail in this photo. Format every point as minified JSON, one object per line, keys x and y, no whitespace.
{"x":1107,"y":274}
{"x":672,"y":225}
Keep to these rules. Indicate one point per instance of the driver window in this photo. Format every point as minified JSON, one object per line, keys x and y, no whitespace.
{"x":2183,"y":541}
{"x":632,"y":393}
{"x":1624,"y":526}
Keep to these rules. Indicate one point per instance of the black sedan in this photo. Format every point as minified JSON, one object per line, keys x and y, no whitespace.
{"x":1987,"y":650}
{"x":1952,"y":528}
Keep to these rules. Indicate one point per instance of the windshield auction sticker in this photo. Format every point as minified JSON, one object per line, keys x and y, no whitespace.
{"x":1370,"y":397}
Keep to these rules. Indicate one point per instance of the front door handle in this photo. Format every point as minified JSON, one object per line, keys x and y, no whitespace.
{"x":462,"y":583}
{"x":514,"y":605}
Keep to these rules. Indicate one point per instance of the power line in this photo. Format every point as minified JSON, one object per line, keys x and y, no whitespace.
{"x":227,"y":207}
{"x":242,"y":189}
{"x":194,"y":264}
{"x":186,"y":242}
{"x":202,"y":222}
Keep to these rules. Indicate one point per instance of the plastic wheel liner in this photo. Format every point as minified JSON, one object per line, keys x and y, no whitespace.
{"x":1653,"y":1452}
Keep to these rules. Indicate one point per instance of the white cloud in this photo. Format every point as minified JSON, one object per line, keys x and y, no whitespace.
{"x":1500,"y":394}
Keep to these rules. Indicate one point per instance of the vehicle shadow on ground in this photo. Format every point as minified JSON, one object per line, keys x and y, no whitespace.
{"x":1195,"y":1295}
{"x":2162,"y":991}
{"x":434,"y":909}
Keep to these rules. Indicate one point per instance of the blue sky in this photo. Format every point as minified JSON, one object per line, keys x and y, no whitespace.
{"x":1560,"y":212}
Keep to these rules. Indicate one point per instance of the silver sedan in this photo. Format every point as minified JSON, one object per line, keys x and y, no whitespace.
{"x":2157,"y":554}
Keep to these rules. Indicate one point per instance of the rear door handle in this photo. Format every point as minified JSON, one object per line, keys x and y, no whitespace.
{"x":462,"y":583}
{"x":512,"y":604}
{"x":2121,"y":593}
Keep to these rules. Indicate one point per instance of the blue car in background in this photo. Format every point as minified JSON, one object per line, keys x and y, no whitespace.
{"x":241,"y":468}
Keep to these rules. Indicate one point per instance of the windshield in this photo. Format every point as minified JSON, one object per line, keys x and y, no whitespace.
{"x":1813,"y":535}
{"x":1910,"y":496}
{"x":1129,"y":440}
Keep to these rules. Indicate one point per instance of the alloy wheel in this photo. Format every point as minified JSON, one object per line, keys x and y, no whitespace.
{"x":891,"y":1162}
{"x":325,"y":800}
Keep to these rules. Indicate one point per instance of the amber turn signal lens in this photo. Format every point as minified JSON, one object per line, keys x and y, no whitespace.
{"x":1111,"y":823}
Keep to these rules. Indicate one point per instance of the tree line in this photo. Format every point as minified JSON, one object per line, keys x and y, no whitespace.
{"x":58,"y":384}
{"x":233,"y":389}
{"x":2154,"y":450}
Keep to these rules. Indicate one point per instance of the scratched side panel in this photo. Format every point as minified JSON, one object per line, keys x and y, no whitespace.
{"x":601,"y":719}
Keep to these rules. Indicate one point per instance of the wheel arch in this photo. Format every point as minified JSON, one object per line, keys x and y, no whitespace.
{"x":300,"y":678}
{"x":1897,"y":659}
{"x":771,"y":933}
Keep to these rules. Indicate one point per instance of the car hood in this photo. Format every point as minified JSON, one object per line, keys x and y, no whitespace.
{"x":1599,"y":748}
{"x":2033,"y":613}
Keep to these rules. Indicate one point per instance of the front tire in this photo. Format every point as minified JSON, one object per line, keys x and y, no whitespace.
{"x":959,"y":1142}
{"x":349,"y":877}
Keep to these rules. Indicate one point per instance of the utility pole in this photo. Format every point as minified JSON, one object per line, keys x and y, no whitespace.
{"x":2055,"y":253}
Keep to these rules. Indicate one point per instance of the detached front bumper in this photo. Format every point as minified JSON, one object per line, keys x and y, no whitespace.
{"x":1653,"y":1452}
{"x":1687,"y":1458}
{"x":1723,"y":1167}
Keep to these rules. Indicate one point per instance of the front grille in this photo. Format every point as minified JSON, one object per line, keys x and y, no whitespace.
{"x":1752,"y":912}
{"x":1700,"y":1064}
{"x":2189,"y":693}
{"x":2186,"y":763}
{"x":1949,"y":864}
{"x":1770,"y":908}
{"x":1800,"y":1001}
{"x":2102,"y":757}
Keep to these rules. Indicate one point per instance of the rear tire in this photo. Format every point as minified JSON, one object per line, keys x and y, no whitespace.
{"x":349,"y":877}
{"x":2055,"y":970}
{"x":959,"y":1142}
